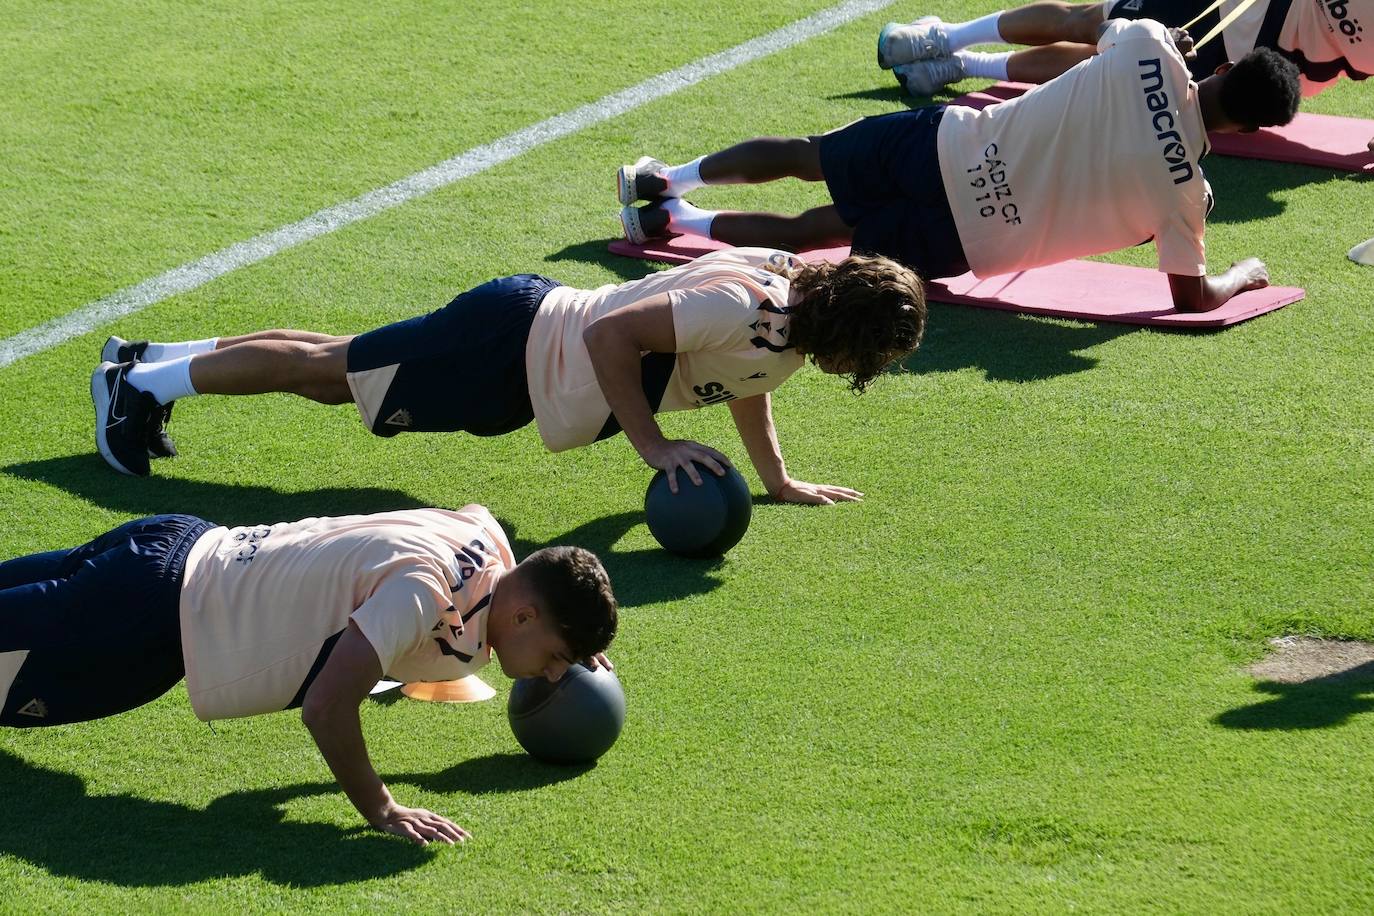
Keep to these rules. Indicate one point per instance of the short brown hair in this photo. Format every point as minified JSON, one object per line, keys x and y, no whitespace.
{"x":866,"y":312}
{"x":571,"y":586}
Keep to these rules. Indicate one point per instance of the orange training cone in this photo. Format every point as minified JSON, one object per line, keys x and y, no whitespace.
{"x":470,"y":689}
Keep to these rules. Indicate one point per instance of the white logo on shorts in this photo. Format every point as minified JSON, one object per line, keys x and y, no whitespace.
{"x":36,"y":708}
{"x":399,"y":418}
{"x":1132,"y":5}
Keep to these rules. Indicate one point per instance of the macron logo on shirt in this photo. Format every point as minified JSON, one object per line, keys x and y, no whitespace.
{"x":1162,"y":120}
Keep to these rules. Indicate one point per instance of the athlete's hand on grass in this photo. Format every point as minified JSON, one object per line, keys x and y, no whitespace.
{"x":816,"y":494}
{"x":1253,"y":274}
{"x":1184,"y":42}
{"x":420,"y":826}
{"x":673,"y":454}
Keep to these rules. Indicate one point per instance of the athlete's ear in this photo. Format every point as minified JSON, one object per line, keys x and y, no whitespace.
{"x":1224,"y":68}
{"x":526,"y":613}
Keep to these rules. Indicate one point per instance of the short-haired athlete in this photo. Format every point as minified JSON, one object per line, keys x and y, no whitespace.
{"x":1324,"y":38}
{"x":583,"y":364}
{"x":306,"y":614}
{"x":1104,"y":157}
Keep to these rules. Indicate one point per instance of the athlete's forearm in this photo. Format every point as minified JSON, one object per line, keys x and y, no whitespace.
{"x":754,"y":419}
{"x":1203,"y":294}
{"x":616,"y":361}
{"x":330,"y":712}
{"x":338,"y":733}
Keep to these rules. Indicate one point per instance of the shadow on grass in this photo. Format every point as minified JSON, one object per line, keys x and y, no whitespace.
{"x":892,"y":94}
{"x":52,"y":822}
{"x":1248,"y":190}
{"x":1007,"y":346}
{"x":647,"y":576}
{"x":1322,"y":702}
{"x":493,"y":774}
{"x":90,"y":478}
{"x":594,"y":251}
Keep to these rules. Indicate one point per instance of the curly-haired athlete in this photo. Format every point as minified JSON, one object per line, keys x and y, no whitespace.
{"x":583,"y":364}
{"x":1105,"y":157}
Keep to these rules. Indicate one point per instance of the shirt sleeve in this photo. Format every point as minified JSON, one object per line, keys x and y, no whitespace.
{"x":1180,"y":244}
{"x":398,"y":616}
{"x":715,"y":316}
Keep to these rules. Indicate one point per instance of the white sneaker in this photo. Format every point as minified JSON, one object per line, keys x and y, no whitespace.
{"x":119,"y":350}
{"x":641,"y":181}
{"x":643,"y":223}
{"x":901,"y":43}
{"x":927,"y":77}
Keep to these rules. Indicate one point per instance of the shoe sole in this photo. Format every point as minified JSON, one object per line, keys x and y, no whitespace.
{"x":625,"y":180}
{"x":887,"y":30}
{"x":629,"y":224}
{"x":100,"y":396}
{"x":110,"y":352}
{"x":883,"y":63}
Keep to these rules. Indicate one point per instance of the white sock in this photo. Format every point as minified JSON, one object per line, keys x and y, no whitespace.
{"x":684,"y":178}
{"x":984,"y":66}
{"x":982,"y":31}
{"x":159,"y":352}
{"x":167,"y":381}
{"x":683,"y":217}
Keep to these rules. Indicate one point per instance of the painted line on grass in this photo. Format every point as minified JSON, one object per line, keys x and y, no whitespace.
{"x":478,"y":159}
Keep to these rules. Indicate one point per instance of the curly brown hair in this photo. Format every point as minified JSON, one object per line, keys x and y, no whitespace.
{"x":856,"y":317}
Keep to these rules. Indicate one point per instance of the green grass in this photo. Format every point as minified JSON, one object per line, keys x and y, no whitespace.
{"x":1009,"y":680}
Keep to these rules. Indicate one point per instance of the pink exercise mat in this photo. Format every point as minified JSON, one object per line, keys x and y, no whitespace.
{"x":1085,"y":290}
{"x":1325,"y":141}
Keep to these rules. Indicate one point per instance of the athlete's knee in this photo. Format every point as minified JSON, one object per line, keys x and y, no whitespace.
{"x":311,"y":364}
{"x":821,"y":225}
{"x":1085,"y":19}
{"x":789,"y":152}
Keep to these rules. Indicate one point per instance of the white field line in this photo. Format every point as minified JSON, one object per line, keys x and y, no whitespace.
{"x":478,"y":159}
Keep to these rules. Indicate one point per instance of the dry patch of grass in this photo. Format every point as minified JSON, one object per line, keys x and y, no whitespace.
{"x":1300,"y":659}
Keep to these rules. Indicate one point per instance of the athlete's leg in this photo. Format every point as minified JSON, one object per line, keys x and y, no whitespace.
{"x":764,"y":159}
{"x":38,"y":592}
{"x":820,"y":227}
{"x":103,"y":636}
{"x":35,"y":567}
{"x":1042,"y":64}
{"x":1049,"y":21}
{"x":315,"y":367}
{"x":277,"y":334}
{"x":1040,"y":23}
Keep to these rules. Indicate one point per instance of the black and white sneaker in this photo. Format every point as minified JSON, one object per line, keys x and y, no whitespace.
{"x":119,"y":350}
{"x":643,"y":223}
{"x":121,"y":419}
{"x":641,"y":181}
{"x":160,"y":445}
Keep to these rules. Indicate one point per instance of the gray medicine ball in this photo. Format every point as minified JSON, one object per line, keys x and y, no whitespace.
{"x":573,"y":721}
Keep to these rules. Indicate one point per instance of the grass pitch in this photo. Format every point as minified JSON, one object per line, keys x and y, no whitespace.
{"x":1009,"y":680}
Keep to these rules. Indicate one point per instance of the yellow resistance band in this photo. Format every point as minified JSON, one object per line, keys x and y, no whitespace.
{"x":1225,"y":21}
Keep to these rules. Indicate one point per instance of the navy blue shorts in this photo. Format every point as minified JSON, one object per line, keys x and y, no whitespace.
{"x":101,"y":622}
{"x":459,"y":368}
{"x":1174,"y":13}
{"x":883,"y":174}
